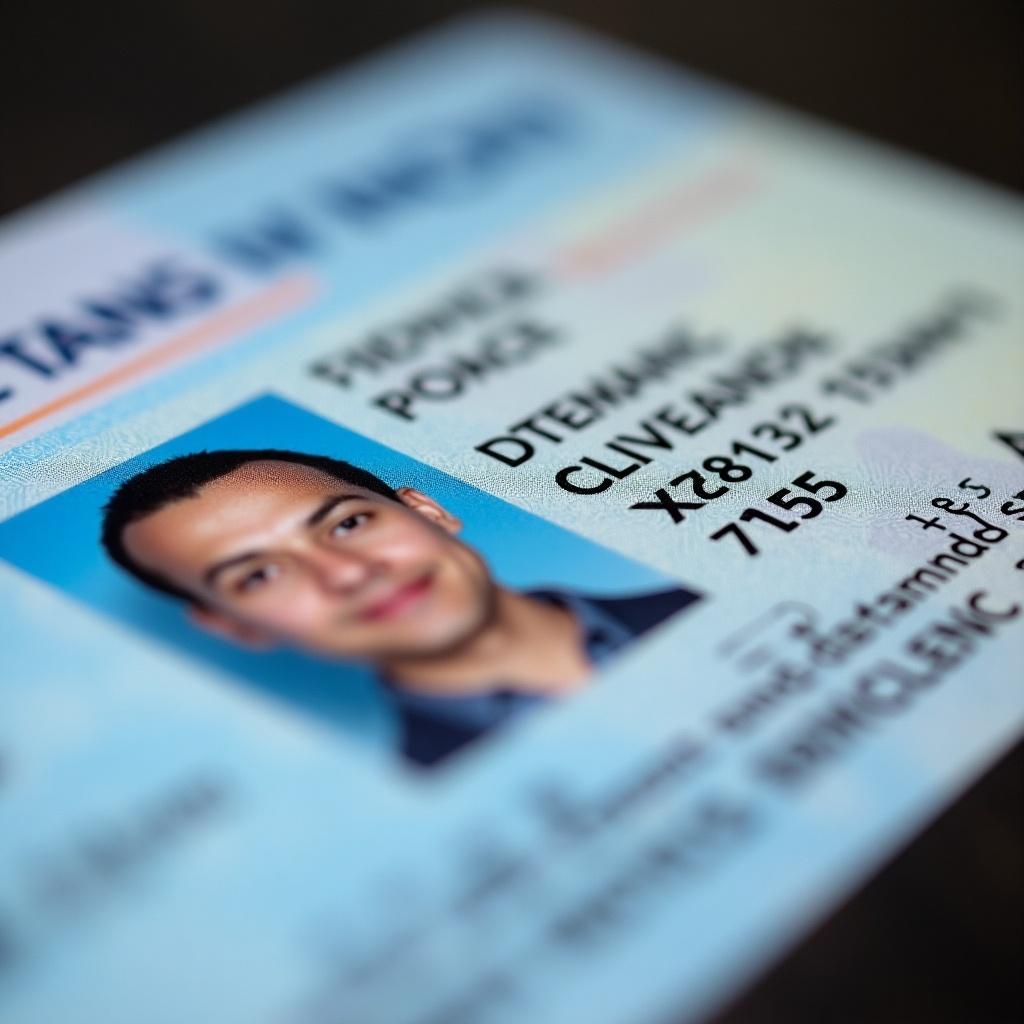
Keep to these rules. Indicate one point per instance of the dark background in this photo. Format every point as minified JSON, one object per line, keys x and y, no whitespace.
{"x":938,"y":936}
{"x":84,"y":85}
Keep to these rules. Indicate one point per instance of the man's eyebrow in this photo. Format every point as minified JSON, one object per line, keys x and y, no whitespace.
{"x":323,"y":510}
{"x":218,"y":567}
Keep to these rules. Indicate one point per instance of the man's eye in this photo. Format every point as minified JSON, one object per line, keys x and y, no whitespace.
{"x":258,"y":577}
{"x":350,"y":523}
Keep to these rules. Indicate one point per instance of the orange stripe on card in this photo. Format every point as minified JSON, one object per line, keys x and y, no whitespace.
{"x":659,"y":220}
{"x":218,"y":328}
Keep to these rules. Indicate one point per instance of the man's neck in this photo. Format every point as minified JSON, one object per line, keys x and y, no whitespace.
{"x":529,"y":645}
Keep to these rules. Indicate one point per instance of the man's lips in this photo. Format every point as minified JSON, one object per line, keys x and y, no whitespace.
{"x":395,"y":602}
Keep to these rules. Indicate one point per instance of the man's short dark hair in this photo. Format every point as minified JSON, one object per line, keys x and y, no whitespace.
{"x":182,"y":477}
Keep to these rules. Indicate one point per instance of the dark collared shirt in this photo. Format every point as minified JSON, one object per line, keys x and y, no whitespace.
{"x":436,"y":726}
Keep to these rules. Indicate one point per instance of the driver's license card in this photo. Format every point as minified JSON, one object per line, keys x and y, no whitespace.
{"x":508,"y":532}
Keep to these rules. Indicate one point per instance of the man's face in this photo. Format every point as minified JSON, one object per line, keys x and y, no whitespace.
{"x":280,"y":552}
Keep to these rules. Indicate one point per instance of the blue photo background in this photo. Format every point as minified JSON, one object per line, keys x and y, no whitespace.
{"x":58,"y":541}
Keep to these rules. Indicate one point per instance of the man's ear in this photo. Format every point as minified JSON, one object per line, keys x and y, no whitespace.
{"x":228,"y":628}
{"x":429,"y":509}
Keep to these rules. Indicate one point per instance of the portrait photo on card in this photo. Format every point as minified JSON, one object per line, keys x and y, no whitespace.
{"x":414,"y":613}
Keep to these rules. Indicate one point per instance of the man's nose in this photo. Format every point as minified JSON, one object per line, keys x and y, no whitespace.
{"x":340,"y":571}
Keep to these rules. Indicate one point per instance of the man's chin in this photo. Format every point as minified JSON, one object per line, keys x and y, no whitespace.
{"x":428,"y":647}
